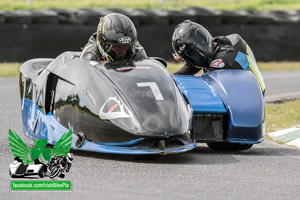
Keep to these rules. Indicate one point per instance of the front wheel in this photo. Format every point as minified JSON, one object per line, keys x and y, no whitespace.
{"x":54,"y":172}
{"x":225,"y":146}
{"x":42,"y":175}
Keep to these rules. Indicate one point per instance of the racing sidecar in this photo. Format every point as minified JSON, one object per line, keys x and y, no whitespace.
{"x":115,"y":107}
{"x":18,"y":169}
{"x":138,"y":107}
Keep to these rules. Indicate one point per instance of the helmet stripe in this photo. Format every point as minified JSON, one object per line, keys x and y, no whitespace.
{"x":121,"y":20}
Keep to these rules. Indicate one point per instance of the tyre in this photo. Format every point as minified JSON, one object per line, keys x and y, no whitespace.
{"x":54,"y":172}
{"x":13,"y":176}
{"x":42,"y":175}
{"x":61,"y":176}
{"x":68,"y":167}
{"x":225,"y":146}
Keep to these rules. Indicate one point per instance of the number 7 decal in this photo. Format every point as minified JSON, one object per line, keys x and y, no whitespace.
{"x":154,"y":88}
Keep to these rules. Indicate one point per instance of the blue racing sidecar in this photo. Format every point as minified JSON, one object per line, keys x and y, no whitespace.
{"x":131,"y":107}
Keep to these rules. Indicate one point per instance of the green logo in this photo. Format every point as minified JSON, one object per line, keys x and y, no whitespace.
{"x":20,"y":149}
{"x":25,"y":185}
{"x":57,"y":159}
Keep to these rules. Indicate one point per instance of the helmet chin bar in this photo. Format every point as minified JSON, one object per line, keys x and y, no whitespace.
{"x":104,"y":54}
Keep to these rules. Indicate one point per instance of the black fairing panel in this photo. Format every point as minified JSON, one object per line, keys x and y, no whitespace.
{"x":114,"y":102}
{"x":33,"y":80}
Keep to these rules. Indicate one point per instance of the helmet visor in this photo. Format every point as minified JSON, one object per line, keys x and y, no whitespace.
{"x":193,"y":56}
{"x":119,"y":51}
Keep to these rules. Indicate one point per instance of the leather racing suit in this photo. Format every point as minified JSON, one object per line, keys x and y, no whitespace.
{"x":231,"y":52}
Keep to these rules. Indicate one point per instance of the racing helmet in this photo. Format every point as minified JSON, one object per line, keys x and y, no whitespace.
{"x":69,"y":157}
{"x":116,"y":37}
{"x":193,"y":43}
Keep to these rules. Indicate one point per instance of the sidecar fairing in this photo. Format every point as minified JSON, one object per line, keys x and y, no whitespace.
{"x":228,"y":108}
{"x":116,"y":107}
{"x":18,"y":169}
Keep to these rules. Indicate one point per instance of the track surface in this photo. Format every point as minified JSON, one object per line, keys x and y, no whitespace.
{"x":282,"y":85}
{"x":266,"y":171}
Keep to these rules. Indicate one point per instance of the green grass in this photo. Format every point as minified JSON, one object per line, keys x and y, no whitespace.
{"x":9,"y":69}
{"x":12,"y":69}
{"x":152,"y":4}
{"x":282,"y":116}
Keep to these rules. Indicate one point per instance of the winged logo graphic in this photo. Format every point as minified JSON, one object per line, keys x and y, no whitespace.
{"x":20,"y":149}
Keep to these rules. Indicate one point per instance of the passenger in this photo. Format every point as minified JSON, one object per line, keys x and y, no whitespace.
{"x":115,"y":39}
{"x":193,"y":44}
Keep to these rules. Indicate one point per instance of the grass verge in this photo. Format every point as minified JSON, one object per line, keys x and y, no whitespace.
{"x":151,"y":4}
{"x":12,"y":69}
{"x":282,"y":116}
{"x":9,"y":69}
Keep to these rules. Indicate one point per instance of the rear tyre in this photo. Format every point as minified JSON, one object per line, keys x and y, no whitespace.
{"x":54,"y":172}
{"x":225,"y":146}
{"x":61,"y":176}
{"x":42,"y":175}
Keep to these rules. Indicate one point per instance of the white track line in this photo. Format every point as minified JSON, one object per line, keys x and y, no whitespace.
{"x":282,"y":132}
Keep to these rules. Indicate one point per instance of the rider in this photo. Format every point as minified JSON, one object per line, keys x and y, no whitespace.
{"x":193,"y":44}
{"x":115,"y":39}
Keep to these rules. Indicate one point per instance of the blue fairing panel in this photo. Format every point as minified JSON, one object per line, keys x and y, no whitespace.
{"x":235,"y":92}
{"x":38,"y":125}
{"x":241,"y":94}
{"x":201,"y":95}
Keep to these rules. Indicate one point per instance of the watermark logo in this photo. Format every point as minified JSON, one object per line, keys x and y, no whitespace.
{"x":40,"y":161}
{"x":29,"y":185}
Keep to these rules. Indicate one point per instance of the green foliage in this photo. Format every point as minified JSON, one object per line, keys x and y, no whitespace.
{"x":152,"y":4}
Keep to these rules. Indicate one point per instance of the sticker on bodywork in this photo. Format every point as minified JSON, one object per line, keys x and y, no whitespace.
{"x":131,"y":68}
{"x":113,"y":109}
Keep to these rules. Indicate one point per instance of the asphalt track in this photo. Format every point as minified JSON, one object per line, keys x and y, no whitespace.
{"x":281,"y":86}
{"x":266,"y":171}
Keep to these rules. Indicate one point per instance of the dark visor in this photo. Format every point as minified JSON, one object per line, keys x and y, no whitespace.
{"x":193,"y":56}
{"x":118,"y":51}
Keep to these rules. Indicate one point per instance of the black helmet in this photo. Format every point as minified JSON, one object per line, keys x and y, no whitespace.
{"x":193,"y":43}
{"x":116,"y":37}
